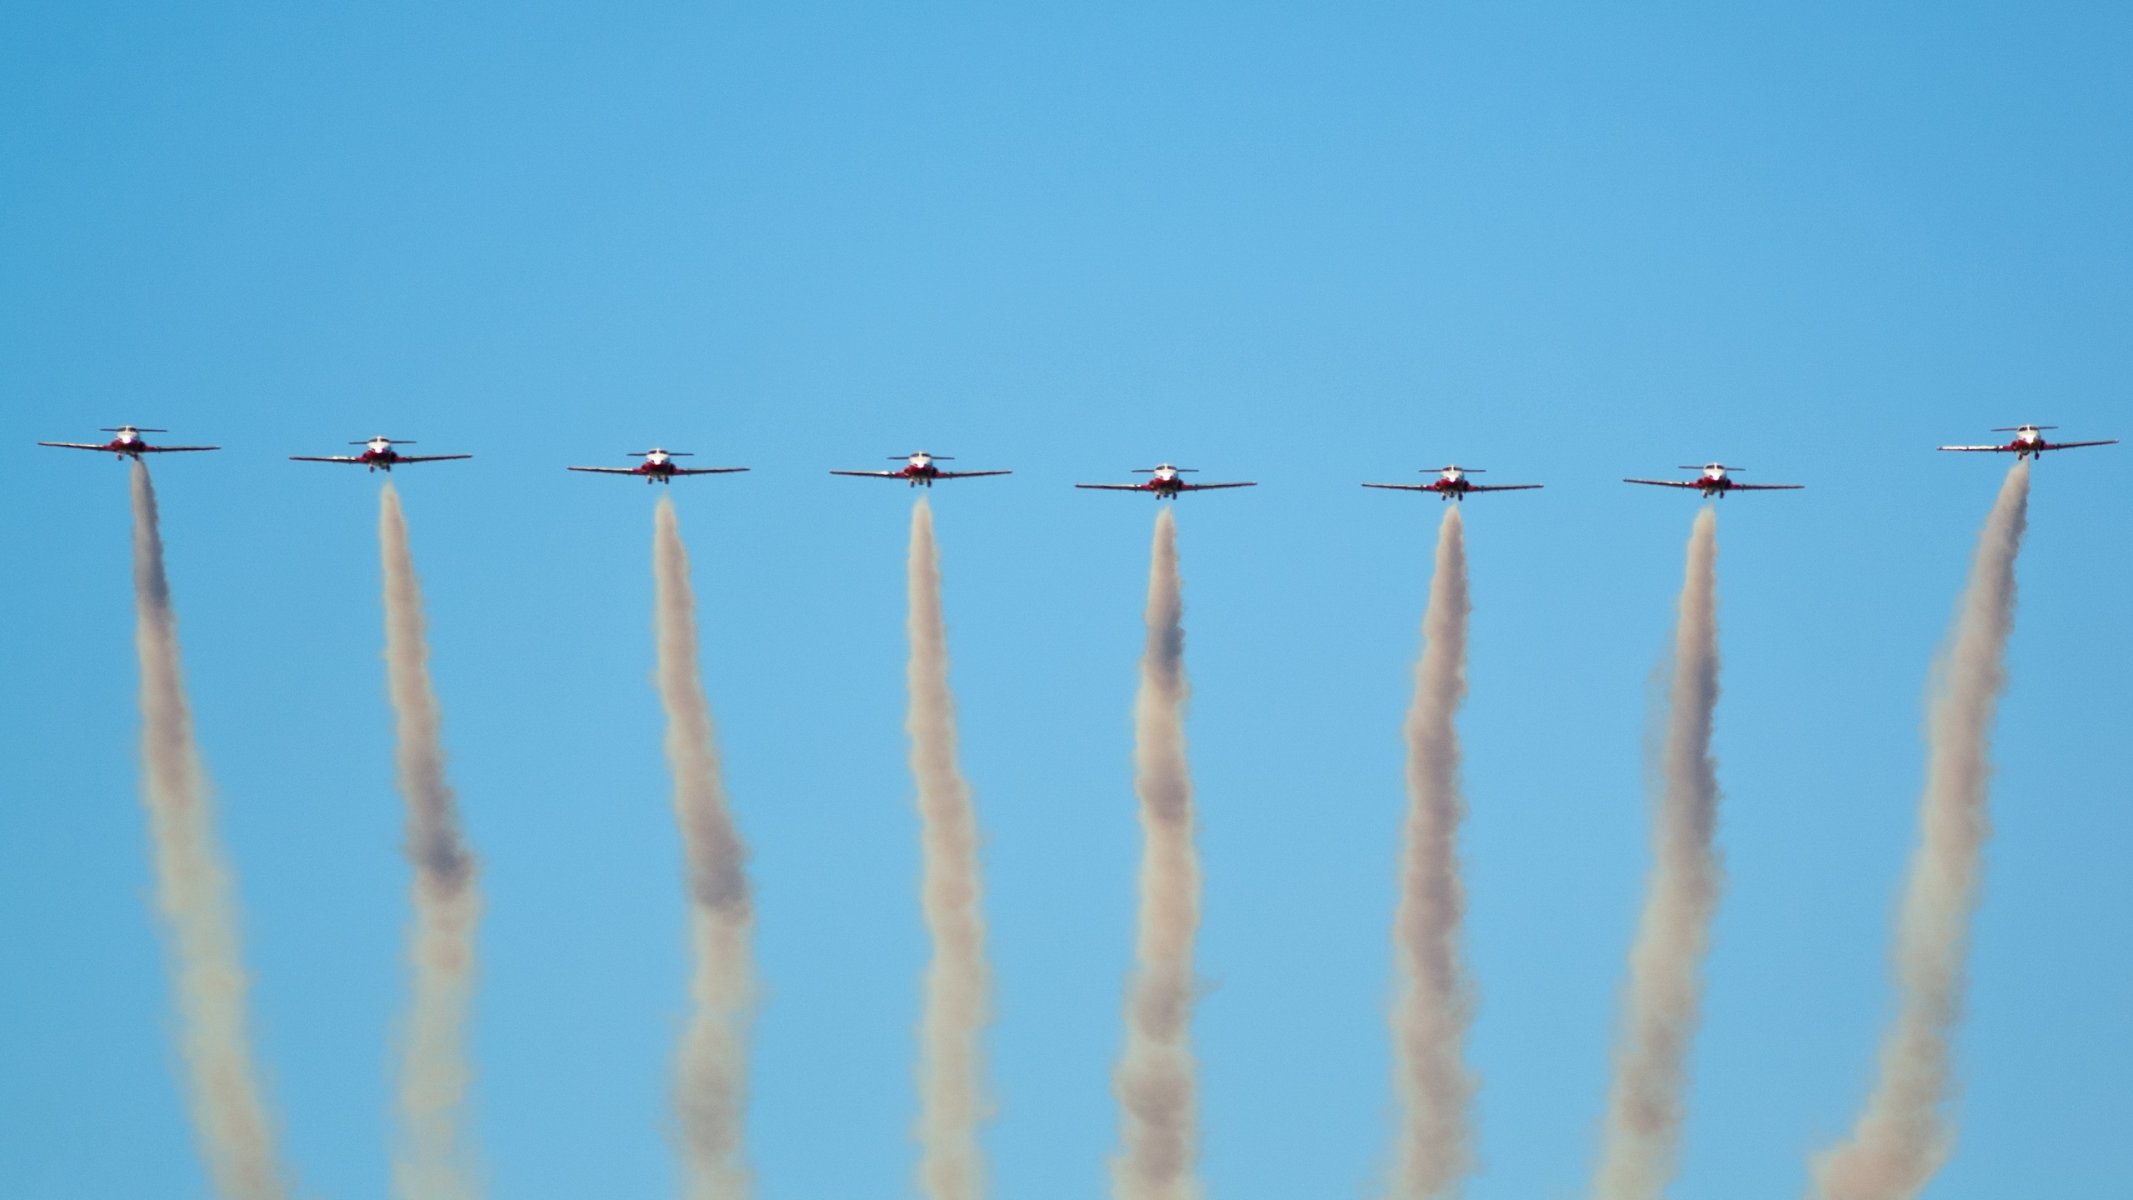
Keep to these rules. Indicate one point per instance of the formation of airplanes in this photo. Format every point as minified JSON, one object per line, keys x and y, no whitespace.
{"x":1165,"y":480}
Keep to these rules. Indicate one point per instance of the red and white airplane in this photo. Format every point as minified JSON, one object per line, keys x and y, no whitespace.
{"x":1163,"y":482}
{"x":918,"y":470}
{"x":2028,"y":440}
{"x":378,"y":455}
{"x":659,"y":467}
{"x":1451,"y":484}
{"x":128,"y":443}
{"x":1715,"y":482}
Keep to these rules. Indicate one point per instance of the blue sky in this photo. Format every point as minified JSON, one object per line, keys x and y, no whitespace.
{"x":1304,"y":246}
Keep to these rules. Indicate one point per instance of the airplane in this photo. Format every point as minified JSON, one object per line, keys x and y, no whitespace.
{"x":659,"y":467}
{"x":1715,"y":482}
{"x":1451,"y":484}
{"x":1163,"y":482}
{"x":2028,"y":440}
{"x":378,"y":455}
{"x":128,"y":443}
{"x":918,"y":470}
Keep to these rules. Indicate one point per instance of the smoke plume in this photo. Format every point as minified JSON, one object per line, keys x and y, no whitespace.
{"x":193,"y":890}
{"x":1154,"y":1080}
{"x":433,"y":1161}
{"x":958,"y":981}
{"x":1903,"y":1136}
{"x":1434,"y":1003}
{"x":711,"y":1066}
{"x":1644,"y":1117}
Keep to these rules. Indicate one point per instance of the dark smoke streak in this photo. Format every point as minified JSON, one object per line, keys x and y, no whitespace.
{"x":194,"y":893}
{"x":1434,"y":1005}
{"x":711,"y":1065}
{"x":1155,"y":1079}
{"x":434,"y":1161}
{"x":1665,"y":995}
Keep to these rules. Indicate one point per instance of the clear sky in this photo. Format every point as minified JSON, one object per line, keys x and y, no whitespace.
{"x":1303,"y":244}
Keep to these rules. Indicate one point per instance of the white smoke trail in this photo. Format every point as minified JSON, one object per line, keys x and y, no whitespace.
{"x":711,"y":1066}
{"x":958,"y":980}
{"x":1434,"y":1004}
{"x":1662,"y":1007}
{"x":433,"y":1161}
{"x":1903,"y":1136}
{"x":1156,"y":1087}
{"x":193,"y":891}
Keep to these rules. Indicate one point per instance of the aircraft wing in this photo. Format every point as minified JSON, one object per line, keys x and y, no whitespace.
{"x":873,"y":474}
{"x":707,"y":470}
{"x":1503,"y":487}
{"x":1768,"y":487}
{"x":2073,"y":445}
{"x":969,"y":474}
{"x":174,"y":449}
{"x":339,"y":458}
{"x":1406,"y":487}
{"x":1116,"y":487}
{"x":1202,"y":487}
{"x":74,"y":445}
{"x":606,"y":470}
{"x":1683,"y":483}
{"x":412,"y":458}
{"x":1989,"y":449}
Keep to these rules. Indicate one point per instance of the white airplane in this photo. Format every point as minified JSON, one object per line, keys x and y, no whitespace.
{"x":128,"y":443}
{"x":1163,"y":482}
{"x":378,"y":455}
{"x":918,"y":470}
{"x":2028,"y":440}
{"x":1715,"y":482}
{"x":1451,"y":484}
{"x":659,"y":467}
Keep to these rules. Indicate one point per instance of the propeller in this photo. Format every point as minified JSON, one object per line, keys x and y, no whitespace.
{"x":2020,"y":428}
{"x":134,"y":428}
